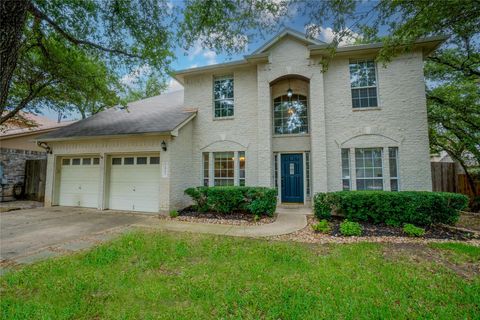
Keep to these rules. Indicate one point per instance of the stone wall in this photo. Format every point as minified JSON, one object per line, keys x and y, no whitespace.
{"x":12,"y":172}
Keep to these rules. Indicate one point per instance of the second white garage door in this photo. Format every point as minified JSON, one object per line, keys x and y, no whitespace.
{"x":134,"y":183}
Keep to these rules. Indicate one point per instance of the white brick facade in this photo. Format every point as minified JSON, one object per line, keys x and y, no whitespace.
{"x":399,"y":121}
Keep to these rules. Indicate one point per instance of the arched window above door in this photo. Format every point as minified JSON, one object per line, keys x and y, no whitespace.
{"x":290,"y":114}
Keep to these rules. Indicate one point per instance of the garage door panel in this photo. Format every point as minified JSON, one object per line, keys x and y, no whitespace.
{"x":79,"y":185}
{"x":134,"y":186}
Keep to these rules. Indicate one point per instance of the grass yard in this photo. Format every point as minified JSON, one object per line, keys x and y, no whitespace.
{"x":185,"y":276}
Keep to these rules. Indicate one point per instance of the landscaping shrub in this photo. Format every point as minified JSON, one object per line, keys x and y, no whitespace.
{"x":322,"y":226}
{"x":256,"y":200}
{"x":395,"y":208}
{"x":350,"y":228}
{"x":412,"y":231}
{"x":173,"y":214}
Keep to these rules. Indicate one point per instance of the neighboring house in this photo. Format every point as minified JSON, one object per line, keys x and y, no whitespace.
{"x":272,"y":119}
{"x":17,"y":145}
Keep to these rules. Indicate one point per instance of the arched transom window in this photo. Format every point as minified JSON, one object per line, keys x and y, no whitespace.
{"x":290,"y":114}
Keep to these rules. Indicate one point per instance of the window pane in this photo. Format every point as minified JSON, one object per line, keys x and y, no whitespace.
{"x":75,"y":162}
{"x":154,"y":160}
{"x":86,"y":161}
{"x":346,"y":169}
{"x":363,"y":83}
{"x":65,"y":162}
{"x":141,"y":160}
{"x":290,"y":115}
{"x":128,"y":161}
{"x":369,"y":169}
{"x":224,"y":168}
{"x":223,"y":94}
{"x":96,"y":160}
{"x":116,"y":161}
{"x":394,"y":184}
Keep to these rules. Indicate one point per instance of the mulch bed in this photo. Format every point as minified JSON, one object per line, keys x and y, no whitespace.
{"x":375,"y":233}
{"x":383,"y":230}
{"x":189,"y":214}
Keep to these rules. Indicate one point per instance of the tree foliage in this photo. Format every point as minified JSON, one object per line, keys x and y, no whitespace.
{"x":67,"y":54}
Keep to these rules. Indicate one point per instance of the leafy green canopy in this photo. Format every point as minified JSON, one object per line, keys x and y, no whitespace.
{"x":68,"y":54}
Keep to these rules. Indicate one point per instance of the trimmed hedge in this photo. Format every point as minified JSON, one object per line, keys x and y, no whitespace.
{"x":394,"y":208}
{"x":256,"y":200}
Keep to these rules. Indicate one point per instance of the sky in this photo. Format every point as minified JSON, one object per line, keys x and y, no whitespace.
{"x":198,"y":57}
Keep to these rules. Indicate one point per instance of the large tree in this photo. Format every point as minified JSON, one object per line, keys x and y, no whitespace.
{"x":452,"y":72}
{"x":69,"y":53}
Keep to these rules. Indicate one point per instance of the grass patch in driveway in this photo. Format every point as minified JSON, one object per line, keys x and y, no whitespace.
{"x":189,"y":276}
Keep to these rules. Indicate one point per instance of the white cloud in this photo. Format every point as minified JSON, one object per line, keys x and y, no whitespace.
{"x":193,"y":65}
{"x":210,"y":56}
{"x":345,"y":37}
{"x":173,"y":85}
{"x":132,"y":78}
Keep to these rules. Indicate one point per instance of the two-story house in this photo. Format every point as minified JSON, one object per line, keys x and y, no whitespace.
{"x":276,"y":118}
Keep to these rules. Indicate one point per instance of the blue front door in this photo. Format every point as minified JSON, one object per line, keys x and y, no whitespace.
{"x":292,"y":177}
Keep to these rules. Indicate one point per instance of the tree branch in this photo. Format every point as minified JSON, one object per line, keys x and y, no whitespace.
{"x":40,"y":15}
{"x":466,"y":70}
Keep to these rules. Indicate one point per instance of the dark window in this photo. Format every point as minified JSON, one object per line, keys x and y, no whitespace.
{"x":369,"y":168}
{"x":223,"y":97}
{"x":96,"y":160}
{"x":141,"y":160}
{"x":364,"y":83}
{"x":76,"y":162}
{"x":154,"y":160}
{"x":128,"y":161}
{"x":393,"y":164}
{"x":87,"y":161}
{"x":66,"y":162}
{"x":346,"y":169}
{"x":290,"y":115}
{"x":116,"y":161}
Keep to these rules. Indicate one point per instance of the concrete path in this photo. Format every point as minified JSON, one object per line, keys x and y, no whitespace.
{"x":288,"y":220}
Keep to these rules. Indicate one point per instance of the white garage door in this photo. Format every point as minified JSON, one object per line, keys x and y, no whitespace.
{"x":134,"y":183}
{"x":79,"y":182}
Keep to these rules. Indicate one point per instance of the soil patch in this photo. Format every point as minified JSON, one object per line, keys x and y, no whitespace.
{"x":469,"y":221}
{"x":382,"y":230}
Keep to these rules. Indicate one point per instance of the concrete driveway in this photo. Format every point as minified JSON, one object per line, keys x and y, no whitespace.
{"x":23,"y":232}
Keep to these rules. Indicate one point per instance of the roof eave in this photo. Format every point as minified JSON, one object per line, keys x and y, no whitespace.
{"x":179,"y":75}
{"x":427,"y":44}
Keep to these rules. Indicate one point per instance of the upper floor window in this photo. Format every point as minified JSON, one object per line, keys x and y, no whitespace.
{"x":363,"y":81}
{"x":290,"y":114}
{"x":223,"y":96}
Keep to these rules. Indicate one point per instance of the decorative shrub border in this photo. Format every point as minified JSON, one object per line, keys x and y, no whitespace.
{"x":256,"y":200}
{"x":420,"y":208}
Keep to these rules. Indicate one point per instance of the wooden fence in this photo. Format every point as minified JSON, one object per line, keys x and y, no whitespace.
{"x":35,"y":175}
{"x":446,"y":178}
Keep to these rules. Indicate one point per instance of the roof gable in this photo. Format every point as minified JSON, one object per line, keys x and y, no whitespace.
{"x":284,"y":33}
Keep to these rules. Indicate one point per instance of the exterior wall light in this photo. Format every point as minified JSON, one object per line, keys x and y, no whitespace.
{"x":164,"y":146}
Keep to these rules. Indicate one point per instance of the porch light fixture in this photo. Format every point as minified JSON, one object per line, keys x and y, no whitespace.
{"x":164,"y":146}
{"x":289,"y":91}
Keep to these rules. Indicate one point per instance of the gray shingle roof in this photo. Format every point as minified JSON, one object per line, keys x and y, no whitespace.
{"x":161,"y":113}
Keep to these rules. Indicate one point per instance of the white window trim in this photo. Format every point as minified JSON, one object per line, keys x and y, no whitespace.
{"x":377,"y":86}
{"x":236,"y":168}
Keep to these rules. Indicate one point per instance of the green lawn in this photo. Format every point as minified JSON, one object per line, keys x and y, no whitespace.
{"x":184,"y":276}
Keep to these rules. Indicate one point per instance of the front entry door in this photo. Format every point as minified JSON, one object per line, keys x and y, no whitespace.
{"x":292,"y":177}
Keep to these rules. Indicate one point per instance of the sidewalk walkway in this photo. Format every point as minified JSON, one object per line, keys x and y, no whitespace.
{"x":288,"y":221}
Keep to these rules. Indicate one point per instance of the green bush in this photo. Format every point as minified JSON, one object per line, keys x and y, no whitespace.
{"x":395,"y":208}
{"x":173,"y":214}
{"x":322,"y":226}
{"x":350,"y":228}
{"x":412,"y":231}
{"x":256,"y":200}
